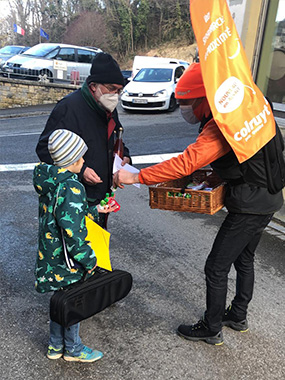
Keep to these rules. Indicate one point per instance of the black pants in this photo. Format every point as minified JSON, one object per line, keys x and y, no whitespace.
{"x":235,"y":244}
{"x":103,"y":220}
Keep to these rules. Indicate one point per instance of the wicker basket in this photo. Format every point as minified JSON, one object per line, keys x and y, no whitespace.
{"x":174,"y":195}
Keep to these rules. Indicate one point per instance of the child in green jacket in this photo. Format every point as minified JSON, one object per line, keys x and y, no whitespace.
{"x":62,"y":210}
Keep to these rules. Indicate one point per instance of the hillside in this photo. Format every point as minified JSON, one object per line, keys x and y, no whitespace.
{"x":170,"y":50}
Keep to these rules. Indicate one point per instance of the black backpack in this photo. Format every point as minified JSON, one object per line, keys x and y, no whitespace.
{"x":274,"y":162}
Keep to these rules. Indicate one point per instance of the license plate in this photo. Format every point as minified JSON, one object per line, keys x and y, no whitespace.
{"x":140,"y":101}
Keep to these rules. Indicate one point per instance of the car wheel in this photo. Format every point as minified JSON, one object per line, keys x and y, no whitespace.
{"x":172,"y":104}
{"x":45,"y":76}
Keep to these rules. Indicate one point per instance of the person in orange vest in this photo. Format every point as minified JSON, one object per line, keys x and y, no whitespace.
{"x":250,"y":202}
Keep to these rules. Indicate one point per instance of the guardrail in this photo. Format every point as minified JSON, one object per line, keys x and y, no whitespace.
{"x":44,"y":76}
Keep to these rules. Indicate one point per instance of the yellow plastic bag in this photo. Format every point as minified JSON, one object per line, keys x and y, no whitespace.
{"x":99,"y":239}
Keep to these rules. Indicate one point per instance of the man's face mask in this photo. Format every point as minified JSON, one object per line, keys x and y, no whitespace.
{"x":108,"y":101}
{"x":188,"y":114}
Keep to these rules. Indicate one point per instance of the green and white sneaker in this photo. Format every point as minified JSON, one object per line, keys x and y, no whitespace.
{"x":54,"y":353}
{"x":87,"y":355}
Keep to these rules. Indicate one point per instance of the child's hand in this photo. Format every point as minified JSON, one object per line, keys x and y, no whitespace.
{"x":107,"y":208}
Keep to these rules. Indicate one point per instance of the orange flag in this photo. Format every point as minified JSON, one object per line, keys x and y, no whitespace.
{"x":239,"y":108}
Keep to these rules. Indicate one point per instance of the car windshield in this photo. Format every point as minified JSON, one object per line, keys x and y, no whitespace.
{"x":153,"y":75}
{"x":39,"y":50}
{"x":10,"y":50}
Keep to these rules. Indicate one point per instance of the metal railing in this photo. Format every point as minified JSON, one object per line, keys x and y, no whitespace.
{"x":44,"y":75}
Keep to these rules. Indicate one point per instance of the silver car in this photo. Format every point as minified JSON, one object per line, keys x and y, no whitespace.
{"x":50,"y":62}
{"x":9,"y":51}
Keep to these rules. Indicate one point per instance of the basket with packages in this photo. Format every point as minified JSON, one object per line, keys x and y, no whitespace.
{"x":201,"y":192}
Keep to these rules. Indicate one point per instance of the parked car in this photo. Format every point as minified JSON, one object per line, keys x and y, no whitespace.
{"x":196,"y":58}
{"x":50,"y":62}
{"x":127,"y":76}
{"x":94,"y":48}
{"x":153,"y":88}
{"x":9,"y":51}
{"x":141,"y":62}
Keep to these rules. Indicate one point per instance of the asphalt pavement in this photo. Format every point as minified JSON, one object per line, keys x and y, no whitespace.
{"x":165,"y":252}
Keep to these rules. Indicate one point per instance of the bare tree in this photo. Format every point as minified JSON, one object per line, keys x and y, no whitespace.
{"x":5,"y":32}
{"x":19,"y":15}
{"x":88,"y":29}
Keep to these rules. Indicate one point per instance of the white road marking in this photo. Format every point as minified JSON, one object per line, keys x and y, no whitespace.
{"x":147,"y":159}
{"x":16,"y":167}
{"x":273,"y":228}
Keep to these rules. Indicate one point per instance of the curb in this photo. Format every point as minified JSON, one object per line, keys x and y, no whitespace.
{"x":35,"y":110}
{"x":27,"y":114}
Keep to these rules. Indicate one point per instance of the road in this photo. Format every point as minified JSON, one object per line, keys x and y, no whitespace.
{"x":165,"y":252}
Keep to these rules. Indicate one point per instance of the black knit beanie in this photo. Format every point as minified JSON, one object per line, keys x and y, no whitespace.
{"x":105,"y":69}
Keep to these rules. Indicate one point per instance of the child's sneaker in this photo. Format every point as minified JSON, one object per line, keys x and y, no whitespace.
{"x":87,"y":355}
{"x":54,"y":353}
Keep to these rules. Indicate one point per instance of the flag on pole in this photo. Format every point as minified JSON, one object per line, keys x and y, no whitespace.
{"x":239,"y":108}
{"x":18,"y":29}
{"x":44,"y":34}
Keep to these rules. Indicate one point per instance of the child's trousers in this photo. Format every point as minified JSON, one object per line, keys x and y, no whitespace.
{"x":67,"y":338}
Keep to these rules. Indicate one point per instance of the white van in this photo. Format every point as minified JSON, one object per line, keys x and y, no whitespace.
{"x":141,"y":62}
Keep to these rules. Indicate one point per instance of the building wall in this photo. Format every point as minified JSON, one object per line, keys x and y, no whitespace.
{"x":21,"y":93}
{"x":248,"y":16}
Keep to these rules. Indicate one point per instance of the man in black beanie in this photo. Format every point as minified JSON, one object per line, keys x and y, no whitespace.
{"x":91,"y":113}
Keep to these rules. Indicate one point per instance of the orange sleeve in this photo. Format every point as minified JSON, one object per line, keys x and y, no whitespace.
{"x":209,"y":146}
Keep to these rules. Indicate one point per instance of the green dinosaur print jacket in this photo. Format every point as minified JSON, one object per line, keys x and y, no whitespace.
{"x":62,"y":210}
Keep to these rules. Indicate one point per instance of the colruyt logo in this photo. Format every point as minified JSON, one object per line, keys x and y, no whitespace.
{"x":253,"y":126}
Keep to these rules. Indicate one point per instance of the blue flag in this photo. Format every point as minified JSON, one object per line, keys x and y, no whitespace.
{"x":44,"y":34}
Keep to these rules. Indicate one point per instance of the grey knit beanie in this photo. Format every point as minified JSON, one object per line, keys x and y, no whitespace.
{"x":65,"y":147}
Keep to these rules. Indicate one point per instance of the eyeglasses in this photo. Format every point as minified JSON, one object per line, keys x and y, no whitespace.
{"x":113,"y":89}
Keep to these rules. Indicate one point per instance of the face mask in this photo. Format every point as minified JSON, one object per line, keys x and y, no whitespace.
{"x":109,"y":101}
{"x":188,"y":114}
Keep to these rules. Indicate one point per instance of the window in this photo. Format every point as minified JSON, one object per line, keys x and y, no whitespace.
{"x":271,"y":71}
{"x":52,"y":54}
{"x":85,"y":56}
{"x":178,"y":72}
{"x":154,"y":75}
{"x":66,"y":54}
{"x":40,"y":50}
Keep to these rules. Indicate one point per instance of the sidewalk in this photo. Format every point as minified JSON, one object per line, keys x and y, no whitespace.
{"x":45,"y":109}
{"x":42,"y":109}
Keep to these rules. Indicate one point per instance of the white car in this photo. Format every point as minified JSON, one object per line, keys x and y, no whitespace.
{"x":50,"y":62}
{"x":9,"y":51}
{"x":141,"y":62}
{"x":152,"y":89}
